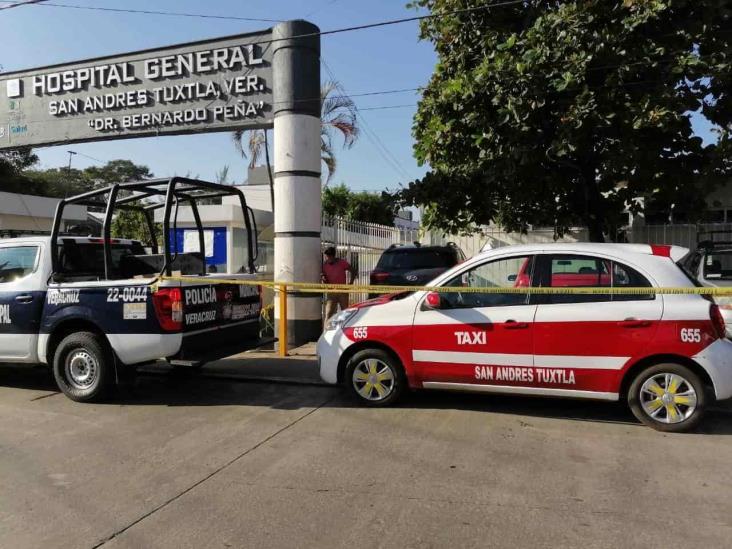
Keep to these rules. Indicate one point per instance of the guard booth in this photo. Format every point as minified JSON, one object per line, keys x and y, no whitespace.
{"x":224,"y":236}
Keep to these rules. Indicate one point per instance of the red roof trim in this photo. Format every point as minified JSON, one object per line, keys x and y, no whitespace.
{"x":663,"y":250}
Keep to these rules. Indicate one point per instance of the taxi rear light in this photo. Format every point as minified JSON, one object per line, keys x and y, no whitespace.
{"x":717,"y":320}
{"x":379,"y":276}
{"x":168,"y":303}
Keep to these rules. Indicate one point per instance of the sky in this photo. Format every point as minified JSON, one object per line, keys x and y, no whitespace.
{"x":385,"y":58}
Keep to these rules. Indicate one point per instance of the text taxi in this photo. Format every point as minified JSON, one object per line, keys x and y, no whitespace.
{"x":665,"y":353}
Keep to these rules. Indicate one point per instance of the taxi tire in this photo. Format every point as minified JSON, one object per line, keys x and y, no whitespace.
{"x":688,"y":424}
{"x":98,"y":349}
{"x":400,"y":379}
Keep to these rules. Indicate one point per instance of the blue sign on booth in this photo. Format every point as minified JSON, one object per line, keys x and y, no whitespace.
{"x":186,"y":240}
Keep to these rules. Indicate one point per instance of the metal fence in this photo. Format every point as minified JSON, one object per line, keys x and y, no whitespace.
{"x":495,"y":237}
{"x":361,"y":244}
{"x":677,"y":235}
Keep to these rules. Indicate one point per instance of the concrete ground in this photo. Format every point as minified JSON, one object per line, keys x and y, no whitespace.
{"x":223,"y":459}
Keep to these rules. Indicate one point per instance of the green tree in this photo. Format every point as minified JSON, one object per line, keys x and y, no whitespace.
{"x":562,"y":113}
{"x":18,"y":175}
{"x":117,"y":171}
{"x":336,"y":200}
{"x":12,"y":164}
{"x":126,"y":223}
{"x":54,"y":182}
{"x":361,"y":206}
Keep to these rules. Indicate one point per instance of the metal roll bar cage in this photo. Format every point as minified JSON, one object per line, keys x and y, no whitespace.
{"x":174,"y":190}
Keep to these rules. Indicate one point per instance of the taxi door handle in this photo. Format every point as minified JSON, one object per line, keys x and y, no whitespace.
{"x":513,"y":325}
{"x":634,"y":323}
{"x":24,"y":298}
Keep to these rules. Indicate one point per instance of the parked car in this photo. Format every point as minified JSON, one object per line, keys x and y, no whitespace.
{"x":414,"y":265}
{"x":665,"y":354}
{"x":711,"y":265}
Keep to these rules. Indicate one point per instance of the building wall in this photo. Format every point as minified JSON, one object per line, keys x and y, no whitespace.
{"x":25,"y":223}
{"x":21,"y":212}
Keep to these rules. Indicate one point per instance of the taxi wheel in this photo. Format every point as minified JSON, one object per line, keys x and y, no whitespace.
{"x":668,"y":397}
{"x":82,"y":367}
{"x":375,"y":377}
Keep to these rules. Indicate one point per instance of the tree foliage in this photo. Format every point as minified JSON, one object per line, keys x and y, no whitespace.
{"x":359,"y":206}
{"x":117,"y":171}
{"x":12,"y":164}
{"x":564,"y":113}
{"x":17,"y":175}
{"x":126,"y":223}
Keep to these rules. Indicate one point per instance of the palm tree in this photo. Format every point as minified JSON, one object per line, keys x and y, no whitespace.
{"x":338,"y":113}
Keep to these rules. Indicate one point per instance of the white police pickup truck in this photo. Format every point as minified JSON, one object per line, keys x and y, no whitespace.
{"x":94,"y":308}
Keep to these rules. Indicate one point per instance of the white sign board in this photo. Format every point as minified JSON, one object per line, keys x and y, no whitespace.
{"x":213,"y":85}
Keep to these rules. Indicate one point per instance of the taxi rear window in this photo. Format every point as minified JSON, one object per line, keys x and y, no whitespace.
{"x":577,"y":271}
{"x":689,"y":265}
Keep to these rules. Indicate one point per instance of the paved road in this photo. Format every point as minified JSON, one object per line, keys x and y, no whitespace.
{"x":194,"y":461}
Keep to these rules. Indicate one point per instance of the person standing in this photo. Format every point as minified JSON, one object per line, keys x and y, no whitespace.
{"x":334,"y":272}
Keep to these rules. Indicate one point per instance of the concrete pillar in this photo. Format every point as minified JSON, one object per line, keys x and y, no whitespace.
{"x":296,"y":97}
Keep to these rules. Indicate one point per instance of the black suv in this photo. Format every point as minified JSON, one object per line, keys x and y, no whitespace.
{"x":414,"y":265}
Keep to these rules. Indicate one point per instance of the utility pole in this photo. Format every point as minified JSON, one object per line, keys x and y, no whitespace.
{"x":71,"y":154}
{"x":68,"y":173}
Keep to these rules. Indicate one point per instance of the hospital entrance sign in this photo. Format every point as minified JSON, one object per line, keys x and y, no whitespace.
{"x":212,"y":85}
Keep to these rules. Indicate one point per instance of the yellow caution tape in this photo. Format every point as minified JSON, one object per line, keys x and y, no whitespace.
{"x":311,"y":287}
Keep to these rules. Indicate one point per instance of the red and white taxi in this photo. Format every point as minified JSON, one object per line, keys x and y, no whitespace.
{"x":665,"y":353}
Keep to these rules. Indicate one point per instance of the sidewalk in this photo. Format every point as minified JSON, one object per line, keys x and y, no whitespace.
{"x":301,"y":366}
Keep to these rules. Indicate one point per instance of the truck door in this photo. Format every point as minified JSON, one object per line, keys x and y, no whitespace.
{"x":21,"y":301}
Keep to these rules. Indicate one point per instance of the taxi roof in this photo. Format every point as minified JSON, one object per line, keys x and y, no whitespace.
{"x":676,"y":253}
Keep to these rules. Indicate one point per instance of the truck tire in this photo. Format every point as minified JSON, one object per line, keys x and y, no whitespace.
{"x":83,"y":367}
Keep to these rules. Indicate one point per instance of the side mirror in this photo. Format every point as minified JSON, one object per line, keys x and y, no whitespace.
{"x":433,"y":300}
{"x":512,"y":278}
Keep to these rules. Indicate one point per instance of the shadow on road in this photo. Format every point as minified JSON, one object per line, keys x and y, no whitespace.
{"x":34,"y":378}
{"x":168,"y":387}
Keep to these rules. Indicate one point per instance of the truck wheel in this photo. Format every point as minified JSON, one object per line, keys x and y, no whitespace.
{"x":375,"y":377}
{"x":668,"y":397}
{"x":83,"y":367}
